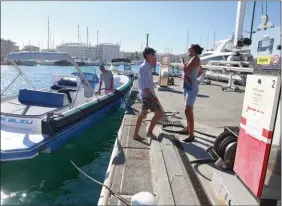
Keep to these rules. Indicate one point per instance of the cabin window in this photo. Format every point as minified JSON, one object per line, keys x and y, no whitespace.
{"x":216,"y":58}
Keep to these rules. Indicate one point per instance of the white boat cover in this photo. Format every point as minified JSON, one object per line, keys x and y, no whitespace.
{"x":51,"y":56}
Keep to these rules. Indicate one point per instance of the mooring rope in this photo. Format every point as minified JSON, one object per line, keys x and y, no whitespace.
{"x":101,"y":184}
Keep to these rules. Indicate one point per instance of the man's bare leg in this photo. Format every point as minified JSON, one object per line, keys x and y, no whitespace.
{"x":140,"y":118}
{"x":158,"y":115}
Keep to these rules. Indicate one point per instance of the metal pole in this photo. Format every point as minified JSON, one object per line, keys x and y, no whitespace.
{"x":254,"y":8}
{"x":147,"y":40}
{"x":22,"y":74}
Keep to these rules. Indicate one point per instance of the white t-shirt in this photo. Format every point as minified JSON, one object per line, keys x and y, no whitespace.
{"x":107,"y":77}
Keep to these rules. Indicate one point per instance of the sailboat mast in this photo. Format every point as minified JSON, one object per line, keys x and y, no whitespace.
{"x":87,"y":43}
{"x":87,"y":37}
{"x":208,"y":40}
{"x":213,"y":39}
{"x":48,"y":34}
{"x":97,"y":37}
{"x":77,"y":35}
{"x":187,"y":42}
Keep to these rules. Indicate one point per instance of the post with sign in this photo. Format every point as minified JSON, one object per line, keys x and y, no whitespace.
{"x":258,"y":155}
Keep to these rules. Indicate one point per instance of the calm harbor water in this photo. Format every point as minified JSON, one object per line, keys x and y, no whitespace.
{"x":50,"y":179}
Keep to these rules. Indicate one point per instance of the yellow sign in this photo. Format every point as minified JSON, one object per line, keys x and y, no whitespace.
{"x":264,"y":60}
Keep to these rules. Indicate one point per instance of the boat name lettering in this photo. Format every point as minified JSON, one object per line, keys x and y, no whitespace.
{"x":17,"y":121}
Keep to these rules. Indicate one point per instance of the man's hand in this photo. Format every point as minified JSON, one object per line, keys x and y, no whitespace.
{"x":182,"y":59}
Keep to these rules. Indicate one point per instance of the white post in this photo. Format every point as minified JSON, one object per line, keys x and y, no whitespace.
{"x":239,"y":21}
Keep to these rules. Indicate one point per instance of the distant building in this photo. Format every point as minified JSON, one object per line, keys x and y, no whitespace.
{"x":7,"y":46}
{"x":30,"y":48}
{"x":78,"y":50}
{"x":133,"y":56}
{"x":185,"y":56}
{"x":107,"y":51}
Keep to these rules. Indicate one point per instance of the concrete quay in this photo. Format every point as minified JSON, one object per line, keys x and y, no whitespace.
{"x":161,"y":166}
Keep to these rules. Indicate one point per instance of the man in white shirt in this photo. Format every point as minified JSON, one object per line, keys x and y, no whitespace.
{"x":147,"y":93}
{"x":107,"y":77}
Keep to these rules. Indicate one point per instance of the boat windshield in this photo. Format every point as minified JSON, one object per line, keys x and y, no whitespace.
{"x":89,"y":76}
{"x":127,"y":67}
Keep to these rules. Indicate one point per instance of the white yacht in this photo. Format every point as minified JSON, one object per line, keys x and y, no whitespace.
{"x":221,"y":51}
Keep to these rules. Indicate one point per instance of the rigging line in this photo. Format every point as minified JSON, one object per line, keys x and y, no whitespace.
{"x":266,"y":7}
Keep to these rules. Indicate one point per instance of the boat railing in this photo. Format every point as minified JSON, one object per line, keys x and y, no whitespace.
{"x":53,"y":56}
{"x":235,"y":66}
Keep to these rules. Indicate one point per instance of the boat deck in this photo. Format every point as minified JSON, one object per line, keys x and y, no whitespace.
{"x":13,"y":106}
{"x":163,"y":166}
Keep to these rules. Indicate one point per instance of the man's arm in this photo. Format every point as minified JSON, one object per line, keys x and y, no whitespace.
{"x":100,"y":84}
{"x":112,"y":83}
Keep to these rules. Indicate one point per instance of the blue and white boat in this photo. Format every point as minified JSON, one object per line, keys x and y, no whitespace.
{"x":121,"y":67}
{"x":45,"y":120}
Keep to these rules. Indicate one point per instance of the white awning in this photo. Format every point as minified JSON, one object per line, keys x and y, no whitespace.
{"x":51,"y":56}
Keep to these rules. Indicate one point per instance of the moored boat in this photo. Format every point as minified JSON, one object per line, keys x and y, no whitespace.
{"x":121,"y":67}
{"x":45,"y":120}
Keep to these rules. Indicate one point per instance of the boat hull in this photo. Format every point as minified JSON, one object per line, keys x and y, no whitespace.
{"x":75,"y":130}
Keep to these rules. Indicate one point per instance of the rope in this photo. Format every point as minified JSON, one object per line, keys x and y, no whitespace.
{"x":101,"y":184}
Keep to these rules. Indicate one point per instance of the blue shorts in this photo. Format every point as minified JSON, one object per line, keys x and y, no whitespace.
{"x":190,"y":97}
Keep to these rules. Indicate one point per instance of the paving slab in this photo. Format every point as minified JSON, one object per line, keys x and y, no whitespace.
{"x":160,"y":178}
{"x":127,"y":140}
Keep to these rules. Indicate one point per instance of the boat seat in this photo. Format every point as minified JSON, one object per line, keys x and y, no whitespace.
{"x":42,"y":98}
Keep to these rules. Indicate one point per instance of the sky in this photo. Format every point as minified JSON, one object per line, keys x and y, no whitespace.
{"x":128,"y":22}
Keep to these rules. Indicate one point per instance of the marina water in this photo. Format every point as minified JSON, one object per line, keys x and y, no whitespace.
{"x":50,"y":179}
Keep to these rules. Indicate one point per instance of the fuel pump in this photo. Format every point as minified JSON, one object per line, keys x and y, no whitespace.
{"x":258,"y":155}
{"x":164,"y":73}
